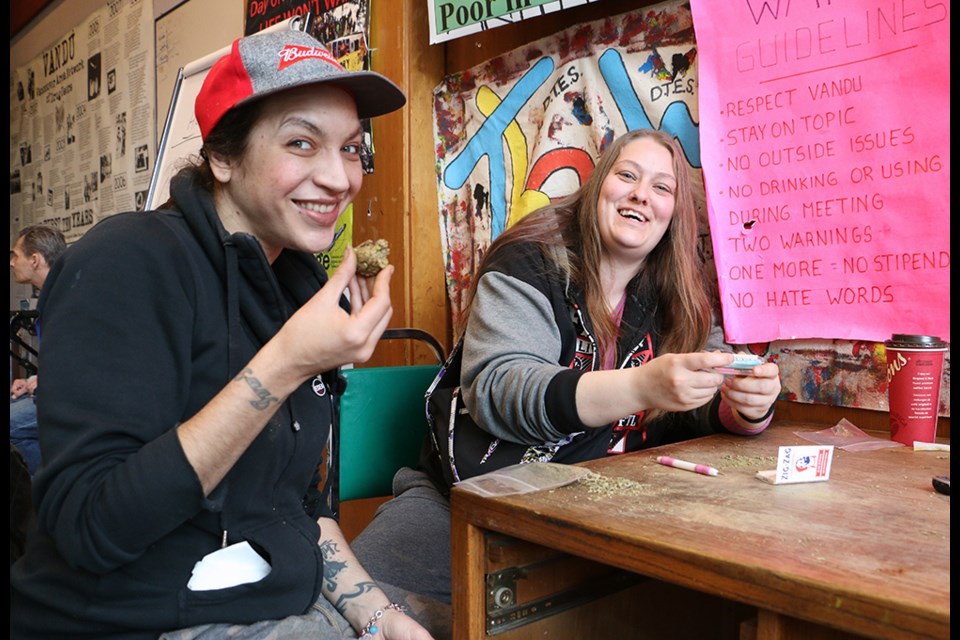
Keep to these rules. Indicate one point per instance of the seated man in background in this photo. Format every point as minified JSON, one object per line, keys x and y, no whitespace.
{"x":37,"y":248}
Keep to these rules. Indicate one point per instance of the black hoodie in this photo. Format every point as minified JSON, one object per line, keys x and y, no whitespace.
{"x":146,"y":318}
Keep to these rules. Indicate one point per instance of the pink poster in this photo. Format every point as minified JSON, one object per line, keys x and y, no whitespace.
{"x":825,"y":148}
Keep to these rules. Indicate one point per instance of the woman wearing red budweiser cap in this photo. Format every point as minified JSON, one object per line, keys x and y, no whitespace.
{"x":192,"y":355}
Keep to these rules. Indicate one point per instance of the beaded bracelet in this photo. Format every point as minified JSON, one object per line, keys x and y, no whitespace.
{"x":371,"y":628}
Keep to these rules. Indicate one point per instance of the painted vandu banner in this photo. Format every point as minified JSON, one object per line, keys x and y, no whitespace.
{"x":525,"y":128}
{"x":826,"y":157}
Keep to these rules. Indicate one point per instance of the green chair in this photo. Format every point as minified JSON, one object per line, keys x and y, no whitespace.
{"x":383,"y":421}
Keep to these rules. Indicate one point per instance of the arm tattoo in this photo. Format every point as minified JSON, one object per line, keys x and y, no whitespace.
{"x":331,"y":567}
{"x":330,"y":570}
{"x":328,"y":548}
{"x":264,"y":398}
{"x":361,"y":588}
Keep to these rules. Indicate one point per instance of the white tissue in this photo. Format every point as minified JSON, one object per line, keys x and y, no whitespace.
{"x":228,"y":567}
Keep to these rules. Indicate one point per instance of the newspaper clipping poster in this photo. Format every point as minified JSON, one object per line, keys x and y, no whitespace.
{"x":82,"y":123}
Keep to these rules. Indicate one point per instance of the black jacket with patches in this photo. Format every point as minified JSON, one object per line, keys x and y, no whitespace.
{"x":512,"y":379}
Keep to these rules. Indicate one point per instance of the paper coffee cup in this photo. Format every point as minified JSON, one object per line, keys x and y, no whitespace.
{"x":914,"y":371}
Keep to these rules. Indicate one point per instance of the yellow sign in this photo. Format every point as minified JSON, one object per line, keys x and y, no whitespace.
{"x":343,"y":238}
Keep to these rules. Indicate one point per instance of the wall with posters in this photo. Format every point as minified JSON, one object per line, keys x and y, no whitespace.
{"x":522,"y":128}
{"x":393,"y":202}
{"x":82,"y":133}
{"x":399,"y":201}
{"x":46,"y":28}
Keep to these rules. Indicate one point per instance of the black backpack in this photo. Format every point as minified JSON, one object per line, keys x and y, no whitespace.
{"x":455,"y":447}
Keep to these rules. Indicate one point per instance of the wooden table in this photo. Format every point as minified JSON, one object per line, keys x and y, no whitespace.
{"x":866,"y":552}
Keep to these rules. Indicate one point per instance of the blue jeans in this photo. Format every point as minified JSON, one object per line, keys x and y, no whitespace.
{"x":23,"y":430}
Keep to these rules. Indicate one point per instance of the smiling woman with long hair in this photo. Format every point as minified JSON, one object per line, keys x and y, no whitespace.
{"x":589,"y":333}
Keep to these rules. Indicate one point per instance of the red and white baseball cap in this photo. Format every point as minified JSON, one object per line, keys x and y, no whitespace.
{"x":265,"y":63}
